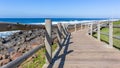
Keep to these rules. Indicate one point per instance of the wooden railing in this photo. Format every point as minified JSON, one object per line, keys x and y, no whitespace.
{"x":107,"y":24}
{"x":62,"y":36}
{"x":21,"y":59}
{"x":62,"y":31}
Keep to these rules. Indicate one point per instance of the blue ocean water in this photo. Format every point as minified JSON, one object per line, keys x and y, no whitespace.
{"x":41,"y":20}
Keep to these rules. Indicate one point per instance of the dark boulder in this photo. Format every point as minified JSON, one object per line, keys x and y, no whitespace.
{"x":1,"y":43}
{"x":4,"y":61}
{"x":1,"y":57}
{"x":10,"y":44}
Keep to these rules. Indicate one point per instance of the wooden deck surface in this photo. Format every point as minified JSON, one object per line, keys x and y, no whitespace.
{"x":84,"y":51}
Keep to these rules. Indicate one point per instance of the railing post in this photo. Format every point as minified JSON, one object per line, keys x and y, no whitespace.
{"x":59,"y":34}
{"x":85,"y":25}
{"x":63,"y":25}
{"x":48,"y":26}
{"x":75,"y":28}
{"x":64,"y":32}
{"x":91,"y":29}
{"x":81,"y":26}
{"x":48,"y":42}
{"x":59,"y":27}
{"x":66,"y":28}
{"x":98,"y":31}
{"x":111,"y":34}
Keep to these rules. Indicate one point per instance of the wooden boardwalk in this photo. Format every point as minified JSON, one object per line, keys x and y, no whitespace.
{"x":85,"y":51}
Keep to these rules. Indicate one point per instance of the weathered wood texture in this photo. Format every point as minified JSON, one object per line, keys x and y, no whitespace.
{"x":87,"y":52}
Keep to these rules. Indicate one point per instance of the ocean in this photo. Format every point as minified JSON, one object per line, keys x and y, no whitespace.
{"x":54,"y":20}
{"x":37,"y":21}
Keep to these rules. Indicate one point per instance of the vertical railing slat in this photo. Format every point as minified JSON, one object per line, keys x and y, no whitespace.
{"x":91,"y":29}
{"x":98,"y":31}
{"x":75,"y":27}
{"x":48,"y":42}
{"x":111,"y":34}
{"x":81,"y":26}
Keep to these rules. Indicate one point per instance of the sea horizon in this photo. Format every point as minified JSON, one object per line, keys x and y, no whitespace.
{"x":42,"y":20}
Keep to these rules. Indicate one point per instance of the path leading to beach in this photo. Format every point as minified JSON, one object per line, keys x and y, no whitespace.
{"x":85,"y":51}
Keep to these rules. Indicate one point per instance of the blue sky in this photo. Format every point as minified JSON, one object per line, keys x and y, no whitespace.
{"x":60,"y":8}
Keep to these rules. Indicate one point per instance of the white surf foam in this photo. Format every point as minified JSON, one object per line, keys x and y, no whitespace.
{"x":75,"y":21}
{"x":4,"y":34}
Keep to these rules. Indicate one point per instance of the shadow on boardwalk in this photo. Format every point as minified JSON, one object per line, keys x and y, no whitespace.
{"x":85,"y":52}
{"x":61,"y":57}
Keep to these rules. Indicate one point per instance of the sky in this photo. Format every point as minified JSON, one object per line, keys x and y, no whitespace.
{"x":59,"y":8}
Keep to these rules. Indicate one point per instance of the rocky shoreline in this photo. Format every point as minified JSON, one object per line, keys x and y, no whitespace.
{"x":17,"y":44}
{"x":21,"y":42}
{"x":17,"y":26}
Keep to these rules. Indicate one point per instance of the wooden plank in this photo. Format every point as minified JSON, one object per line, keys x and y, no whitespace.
{"x":15,"y":63}
{"x":98,"y":31}
{"x":111,"y":34}
{"x":48,"y":40}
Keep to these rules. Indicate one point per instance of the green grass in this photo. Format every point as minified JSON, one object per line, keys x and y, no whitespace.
{"x":116,"y":32}
{"x":54,"y":46}
{"x":117,"y":23}
{"x":39,"y":61}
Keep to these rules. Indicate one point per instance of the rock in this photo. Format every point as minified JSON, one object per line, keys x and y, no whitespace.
{"x":5,"y":61}
{"x":30,"y":31}
{"x":37,"y":41}
{"x":5,"y":56}
{"x":10,"y":50}
{"x":55,"y":40}
{"x":10,"y":44}
{"x":7,"y":39}
{"x":1,"y":63}
{"x":15,"y":55}
{"x":31,"y":37}
{"x":28,"y":39}
{"x":23,"y":35}
{"x":3,"y":51}
{"x":1,"y":57}
{"x":12,"y":53}
{"x":16,"y":48}
{"x":1,"y":39}
{"x":21,"y":32}
{"x":21,"y":49}
{"x":2,"y":47}
{"x":19,"y":40}
{"x":1,"y":43}
{"x":22,"y":39}
{"x":34,"y":56}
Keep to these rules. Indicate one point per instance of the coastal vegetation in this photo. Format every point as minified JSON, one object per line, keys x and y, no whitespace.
{"x":116,"y":32}
{"x":38,"y":60}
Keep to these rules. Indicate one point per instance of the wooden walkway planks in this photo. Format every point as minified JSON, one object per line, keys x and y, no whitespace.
{"x":85,"y":51}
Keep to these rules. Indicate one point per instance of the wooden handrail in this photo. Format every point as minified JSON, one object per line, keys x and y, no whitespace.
{"x":109,"y":25}
{"x":114,"y":26}
{"x":62,"y":30}
{"x":18,"y":61}
{"x":115,"y":37}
